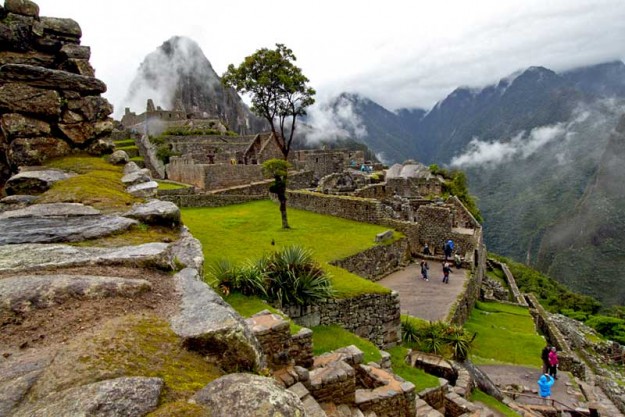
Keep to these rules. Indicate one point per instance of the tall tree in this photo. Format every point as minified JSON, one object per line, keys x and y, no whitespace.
{"x":278,"y":169}
{"x":278,"y":90}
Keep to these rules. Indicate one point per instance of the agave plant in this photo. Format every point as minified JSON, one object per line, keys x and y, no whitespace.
{"x":433,"y":337}
{"x":293,"y":277}
{"x":224,"y":276}
{"x":410,"y":331}
{"x":459,"y":342}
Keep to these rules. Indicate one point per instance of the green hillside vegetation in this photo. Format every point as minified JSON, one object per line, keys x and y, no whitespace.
{"x":506,"y":334}
{"x":456,"y":184}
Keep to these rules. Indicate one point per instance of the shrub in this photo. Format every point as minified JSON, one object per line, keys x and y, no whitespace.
{"x":294,"y":278}
{"x":437,"y":337}
{"x":410,"y":331}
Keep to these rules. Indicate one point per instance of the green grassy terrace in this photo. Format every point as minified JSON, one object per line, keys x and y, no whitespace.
{"x":505,"y":335}
{"x":245,"y":232}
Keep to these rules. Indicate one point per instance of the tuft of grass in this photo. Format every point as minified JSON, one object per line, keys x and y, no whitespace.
{"x":329,"y":338}
{"x":125,"y":142}
{"x":506,"y":335}
{"x":146,"y":346}
{"x":246,"y":232}
{"x":179,"y":409}
{"x":135,"y":235}
{"x":98,"y":184}
{"x":418,"y":377}
{"x":492,"y":403}
{"x":248,"y":306}
{"x":170,"y":185}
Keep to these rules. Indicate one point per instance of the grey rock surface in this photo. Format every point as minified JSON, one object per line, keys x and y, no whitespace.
{"x":128,"y":397}
{"x":119,"y":157}
{"x":24,"y":293}
{"x":22,"y":98}
{"x":53,"y":229}
{"x":23,"y":7}
{"x":18,"y":376}
{"x":188,"y":251}
{"x":131,"y":167}
{"x":210,"y":326}
{"x":243,"y":395}
{"x":143,"y":190}
{"x":35,"y":182}
{"x":18,"y":199}
{"x":53,"y":209}
{"x":28,"y":257}
{"x":137,"y":177}
{"x":49,"y":78}
{"x":158,"y":212}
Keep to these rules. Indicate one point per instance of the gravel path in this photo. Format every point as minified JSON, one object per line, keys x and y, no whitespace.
{"x":429,"y":300}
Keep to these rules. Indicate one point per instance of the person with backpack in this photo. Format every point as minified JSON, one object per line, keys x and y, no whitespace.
{"x":553,"y":363}
{"x":424,"y":270}
{"x":448,"y":248}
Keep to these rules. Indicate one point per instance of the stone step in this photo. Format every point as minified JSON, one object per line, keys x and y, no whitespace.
{"x":424,"y":409}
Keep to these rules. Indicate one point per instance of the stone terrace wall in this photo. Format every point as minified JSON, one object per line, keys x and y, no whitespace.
{"x":378,"y":261}
{"x":213,"y":177}
{"x":460,"y":314}
{"x":50,"y":102}
{"x":375,"y":317}
{"x":568,"y":361}
{"x":352,"y":208}
{"x":209,"y":200}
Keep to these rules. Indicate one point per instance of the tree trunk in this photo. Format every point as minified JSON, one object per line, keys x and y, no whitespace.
{"x":285,"y":222}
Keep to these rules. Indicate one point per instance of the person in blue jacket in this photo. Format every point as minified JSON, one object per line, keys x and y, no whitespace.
{"x":544,"y":386}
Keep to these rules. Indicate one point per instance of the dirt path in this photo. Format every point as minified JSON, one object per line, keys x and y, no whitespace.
{"x":429,"y":300}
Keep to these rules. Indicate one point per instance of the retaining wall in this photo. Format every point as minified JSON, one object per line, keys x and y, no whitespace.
{"x":378,"y":261}
{"x":375,"y":317}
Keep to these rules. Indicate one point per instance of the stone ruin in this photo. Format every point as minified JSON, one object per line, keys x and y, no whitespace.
{"x":50,"y":103}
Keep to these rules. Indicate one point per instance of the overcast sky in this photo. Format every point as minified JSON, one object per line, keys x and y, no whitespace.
{"x":398,"y":53}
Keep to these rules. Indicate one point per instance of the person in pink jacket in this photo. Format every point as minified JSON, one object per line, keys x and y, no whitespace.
{"x":553,"y":363}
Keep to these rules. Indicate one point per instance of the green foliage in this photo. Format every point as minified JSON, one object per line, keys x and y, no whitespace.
{"x":164,"y":152}
{"x":276,"y":168}
{"x":421,"y":379}
{"x":612,"y":328}
{"x":289,"y":276}
{"x":436,"y":337}
{"x":506,"y":334}
{"x":329,"y":338}
{"x":170,"y":185}
{"x":552,"y":295}
{"x":294,"y":278}
{"x":246,"y":231}
{"x":277,"y":87}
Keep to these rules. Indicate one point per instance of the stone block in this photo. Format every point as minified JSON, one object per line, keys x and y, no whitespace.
{"x":50,"y":79}
{"x":22,"y":7}
{"x":35,"y":151}
{"x":23,"y":98}
{"x":34,"y":182}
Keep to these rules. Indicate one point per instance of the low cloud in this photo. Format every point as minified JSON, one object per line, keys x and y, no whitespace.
{"x":332,"y":120}
{"x":585,"y":119}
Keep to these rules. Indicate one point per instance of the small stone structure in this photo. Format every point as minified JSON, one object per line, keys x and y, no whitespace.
{"x":324,"y":162}
{"x":50,"y":102}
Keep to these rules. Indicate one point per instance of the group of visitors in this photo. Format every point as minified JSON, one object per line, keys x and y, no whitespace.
{"x":448,"y":248}
{"x":549,"y":357}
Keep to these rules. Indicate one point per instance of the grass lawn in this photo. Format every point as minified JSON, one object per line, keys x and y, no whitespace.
{"x":418,"y":377}
{"x":329,"y":338}
{"x":505,"y":335}
{"x":492,"y":403}
{"x":168,"y":185}
{"x":245,"y":232}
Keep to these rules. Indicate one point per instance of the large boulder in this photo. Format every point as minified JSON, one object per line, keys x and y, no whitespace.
{"x":137,"y":177}
{"x":23,"y":7}
{"x":50,"y":79}
{"x":52,"y":209}
{"x":23,"y":98}
{"x":210,"y":326}
{"x":17,"y":125}
{"x":35,"y":182}
{"x":144,"y":189}
{"x":244,"y":395}
{"x":59,"y":228}
{"x":24,"y":293}
{"x":18,"y":376}
{"x":187,"y":251}
{"x":157,"y":212}
{"x":33,"y":256}
{"x":34,"y":151}
{"x":118,"y":158}
{"x":128,"y":397}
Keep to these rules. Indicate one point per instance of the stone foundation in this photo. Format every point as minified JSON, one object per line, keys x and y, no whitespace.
{"x":378,"y":261}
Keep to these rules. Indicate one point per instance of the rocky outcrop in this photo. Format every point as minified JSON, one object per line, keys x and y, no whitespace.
{"x":34,"y":181}
{"x":129,"y":397}
{"x":34,"y":256}
{"x":156,"y":212}
{"x":187,"y":251}
{"x":23,"y":293}
{"x":210,"y":326}
{"x":50,"y":102}
{"x":243,"y":395}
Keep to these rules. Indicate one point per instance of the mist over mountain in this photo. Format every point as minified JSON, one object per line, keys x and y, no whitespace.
{"x":178,"y":74}
{"x":541,"y":152}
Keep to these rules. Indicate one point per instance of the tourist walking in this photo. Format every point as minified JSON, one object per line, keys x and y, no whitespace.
{"x":424,"y":270}
{"x":426,"y":250}
{"x":544,"y":355}
{"x":544,"y":386}
{"x":553,"y":363}
{"x":446,"y":271}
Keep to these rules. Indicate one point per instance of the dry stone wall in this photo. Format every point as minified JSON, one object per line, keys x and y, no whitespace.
{"x":378,"y":261}
{"x":375,"y":317}
{"x":50,"y":102}
{"x":358,"y":209}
